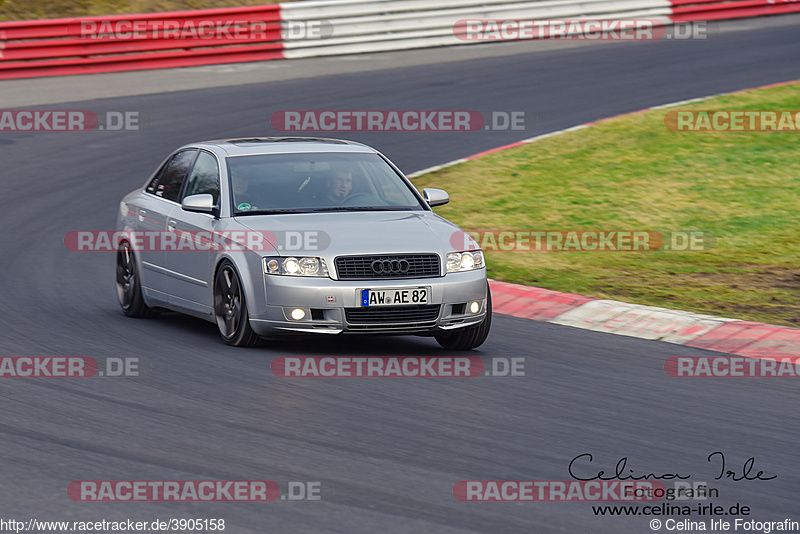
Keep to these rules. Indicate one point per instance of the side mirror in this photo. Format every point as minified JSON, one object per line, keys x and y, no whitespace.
{"x":435,"y":197}
{"x":200,"y":203}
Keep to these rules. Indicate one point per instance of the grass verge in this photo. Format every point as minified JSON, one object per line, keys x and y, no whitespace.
{"x":633,"y":173}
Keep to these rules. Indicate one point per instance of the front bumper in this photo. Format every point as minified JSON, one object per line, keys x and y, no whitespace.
{"x":333,"y":306}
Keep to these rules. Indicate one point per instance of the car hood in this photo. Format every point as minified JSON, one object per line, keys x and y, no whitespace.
{"x":346,"y":233}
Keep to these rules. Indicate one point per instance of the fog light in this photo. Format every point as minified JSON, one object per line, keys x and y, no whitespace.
{"x":474,"y":307}
{"x":298,"y":314}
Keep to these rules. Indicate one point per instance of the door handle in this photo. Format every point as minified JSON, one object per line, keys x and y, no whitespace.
{"x":172,"y":224}
{"x":142,"y":214}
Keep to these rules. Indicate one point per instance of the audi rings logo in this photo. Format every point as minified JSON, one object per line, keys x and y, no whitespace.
{"x":390,"y":266}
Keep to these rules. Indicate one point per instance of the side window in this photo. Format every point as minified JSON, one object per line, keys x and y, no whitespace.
{"x":167,"y":183}
{"x":151,"y":187}
{"x":204,"y":177}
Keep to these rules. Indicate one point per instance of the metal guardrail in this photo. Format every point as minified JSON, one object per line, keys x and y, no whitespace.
{"x":362,"y":26}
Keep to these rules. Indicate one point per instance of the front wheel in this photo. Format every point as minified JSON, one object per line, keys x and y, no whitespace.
{"x":129,"y":289}
{"x":230,"y":308}
{"x":472,"y":336}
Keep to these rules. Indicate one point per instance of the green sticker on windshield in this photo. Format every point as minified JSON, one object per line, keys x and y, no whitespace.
{"x":244,"y":206}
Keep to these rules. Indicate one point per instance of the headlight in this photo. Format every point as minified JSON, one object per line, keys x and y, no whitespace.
{"x":464,"y":261}
{"x":296,"y":266}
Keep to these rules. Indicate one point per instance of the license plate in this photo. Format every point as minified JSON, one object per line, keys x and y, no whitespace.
{"x":407,"y":296}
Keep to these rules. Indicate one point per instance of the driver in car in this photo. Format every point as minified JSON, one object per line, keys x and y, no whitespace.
{"x":339,"y":186}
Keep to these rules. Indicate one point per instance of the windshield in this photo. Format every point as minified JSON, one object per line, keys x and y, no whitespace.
{"x":310,"y":182}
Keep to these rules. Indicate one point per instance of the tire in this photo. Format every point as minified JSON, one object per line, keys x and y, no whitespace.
{"x":470,"y":337}
{"x":129,"y":290}
{"x":230,"y":308}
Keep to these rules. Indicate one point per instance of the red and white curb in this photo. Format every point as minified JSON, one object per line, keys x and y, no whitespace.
{"x":731,"y":336}
{"x":743,"y":338}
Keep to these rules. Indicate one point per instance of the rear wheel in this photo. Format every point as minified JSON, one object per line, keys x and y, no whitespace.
{"x":230,"y":308}
{"x":129,"y":290}
{"x":472,"y":336}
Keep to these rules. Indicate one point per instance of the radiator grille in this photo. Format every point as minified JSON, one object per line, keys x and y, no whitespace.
{"x":385,"y":266}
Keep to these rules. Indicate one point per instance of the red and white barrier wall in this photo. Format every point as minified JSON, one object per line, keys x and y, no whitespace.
{"x":306,"y":29}
{"x":134,"y":42}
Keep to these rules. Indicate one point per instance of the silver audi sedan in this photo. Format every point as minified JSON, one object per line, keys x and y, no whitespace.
{"x":289,"y":235}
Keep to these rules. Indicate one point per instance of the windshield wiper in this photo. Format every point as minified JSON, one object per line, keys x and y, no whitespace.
{"x":362,"y":208}
{"x":269,"y":212}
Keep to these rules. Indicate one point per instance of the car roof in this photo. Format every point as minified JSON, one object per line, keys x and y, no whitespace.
{"x":281,"y":145}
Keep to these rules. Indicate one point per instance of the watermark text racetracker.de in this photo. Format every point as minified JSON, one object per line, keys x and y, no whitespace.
{"x":178,"y":29}
{"x":396,"y":120}
{"x":558,"y":490}
{"x":731,"y":367}
{"x":67,"y":120}
{"x":68,"y":367}
{"x":581,"y":240}
{"x":211,"y":30}
{"x":196,"y":241}
{"x":198,"y":490}
{"x":397,"y":367}
{"x":733,"y":120}
{"x":578,"y":29}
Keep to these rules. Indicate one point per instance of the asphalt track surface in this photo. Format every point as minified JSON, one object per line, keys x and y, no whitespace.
{"x":391,"y":449}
